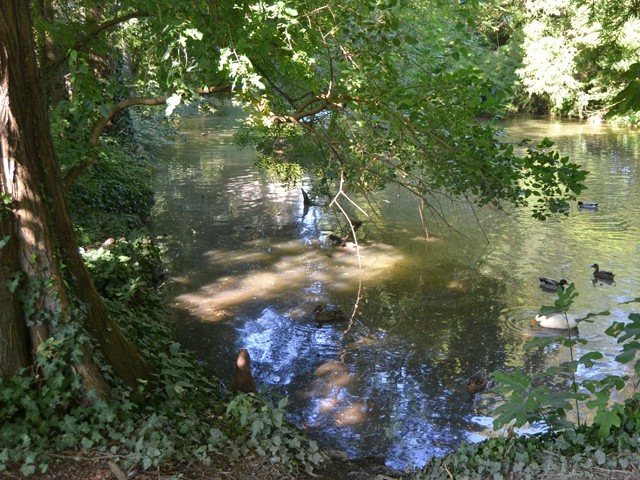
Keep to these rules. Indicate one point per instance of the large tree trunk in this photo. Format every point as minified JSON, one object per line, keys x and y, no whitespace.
{"x":41,"y":230}
{"x":14,"y":343}
{"x":51,"y":57}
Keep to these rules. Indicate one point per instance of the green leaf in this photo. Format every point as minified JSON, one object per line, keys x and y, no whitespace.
{"x":513,"y":410}
{"x":517,"y":380}
{"x":606,"y":420}
{"x":27,"y":470}
{"x":631,"y":329}
{"x":629,"y":351}
{"x":180,"y":362}
{"x":256,"y":427}
{"x":627,"y":100}
{"x":615,"y":329}
{"x":105,"y":109}
{"x":588,"y":359}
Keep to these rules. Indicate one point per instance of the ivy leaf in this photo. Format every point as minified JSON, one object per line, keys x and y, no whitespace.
{"x":600,"y":456}
{"x":27,"y":469}
{"x":615,"y":329}
{"x":631,"y":329}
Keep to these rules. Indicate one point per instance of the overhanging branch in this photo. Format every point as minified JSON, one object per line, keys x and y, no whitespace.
{"x":83,"y":42}
{"x":101,"y":124}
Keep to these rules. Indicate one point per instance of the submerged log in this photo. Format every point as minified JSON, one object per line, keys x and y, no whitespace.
{"x":243,"y":381}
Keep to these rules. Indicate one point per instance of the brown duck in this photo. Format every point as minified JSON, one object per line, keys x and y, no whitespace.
{"x":602,"y":274}
{"x":243,"y":381}
{"x":332,"y":316}
{"x":477,"y":382}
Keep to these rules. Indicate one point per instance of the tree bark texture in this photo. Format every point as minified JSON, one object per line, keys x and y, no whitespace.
{"x":52,"y":57}
{"x":14,"y":342}
{"x":41,"y":228}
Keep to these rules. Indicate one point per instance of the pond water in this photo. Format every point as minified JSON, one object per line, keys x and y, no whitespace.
{"x":248,"y":267}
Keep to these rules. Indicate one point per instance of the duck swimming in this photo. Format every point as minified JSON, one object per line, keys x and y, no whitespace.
{"x":602,"y":274}
{"x":477,"y":382}
{"x":557,"y":321}
{"x":588,"y":205}
{"x":549,"y":284}
{"x":333,"y":316}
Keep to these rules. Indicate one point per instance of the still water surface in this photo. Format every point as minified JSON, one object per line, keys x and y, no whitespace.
{"x":249,"y":267}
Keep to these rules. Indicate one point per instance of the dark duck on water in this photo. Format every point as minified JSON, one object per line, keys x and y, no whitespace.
{"x":549,"y":284}
{"x":324,"y":316}
{"x":602,"y":274}
{"x":477,"y":382}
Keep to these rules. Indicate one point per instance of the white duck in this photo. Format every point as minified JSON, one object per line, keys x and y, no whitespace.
{"x":556,"y":321}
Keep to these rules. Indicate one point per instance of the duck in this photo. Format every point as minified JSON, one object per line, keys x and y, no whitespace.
{"x":477,"y":382}
{"x":602,"y":274}
{"x":588,"y":205}
{"x":549,"y":284}
{"x":243,"y":381}
{"x":556,"y":321}
{"x":337,"y":240}
{"x":332,"y":316}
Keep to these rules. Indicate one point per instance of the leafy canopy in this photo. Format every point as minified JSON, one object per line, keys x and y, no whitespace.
{"x":363,"y":92}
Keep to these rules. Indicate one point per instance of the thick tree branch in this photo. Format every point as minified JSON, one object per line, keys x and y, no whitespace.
{"x":106,"y":25}
{"x":325,"y":103}
{"x":101,"y":124}
{"x":99,"y":127}
{"x":83,"y":42}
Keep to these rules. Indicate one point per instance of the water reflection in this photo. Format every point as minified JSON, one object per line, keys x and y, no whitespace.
{"x":424,"y":315}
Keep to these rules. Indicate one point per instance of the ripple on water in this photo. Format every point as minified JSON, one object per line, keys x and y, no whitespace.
{"x":517,"y":321}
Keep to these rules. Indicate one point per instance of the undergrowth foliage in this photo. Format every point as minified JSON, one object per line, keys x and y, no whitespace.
{"x":186,"y":417}
{"x":573,"y":453}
